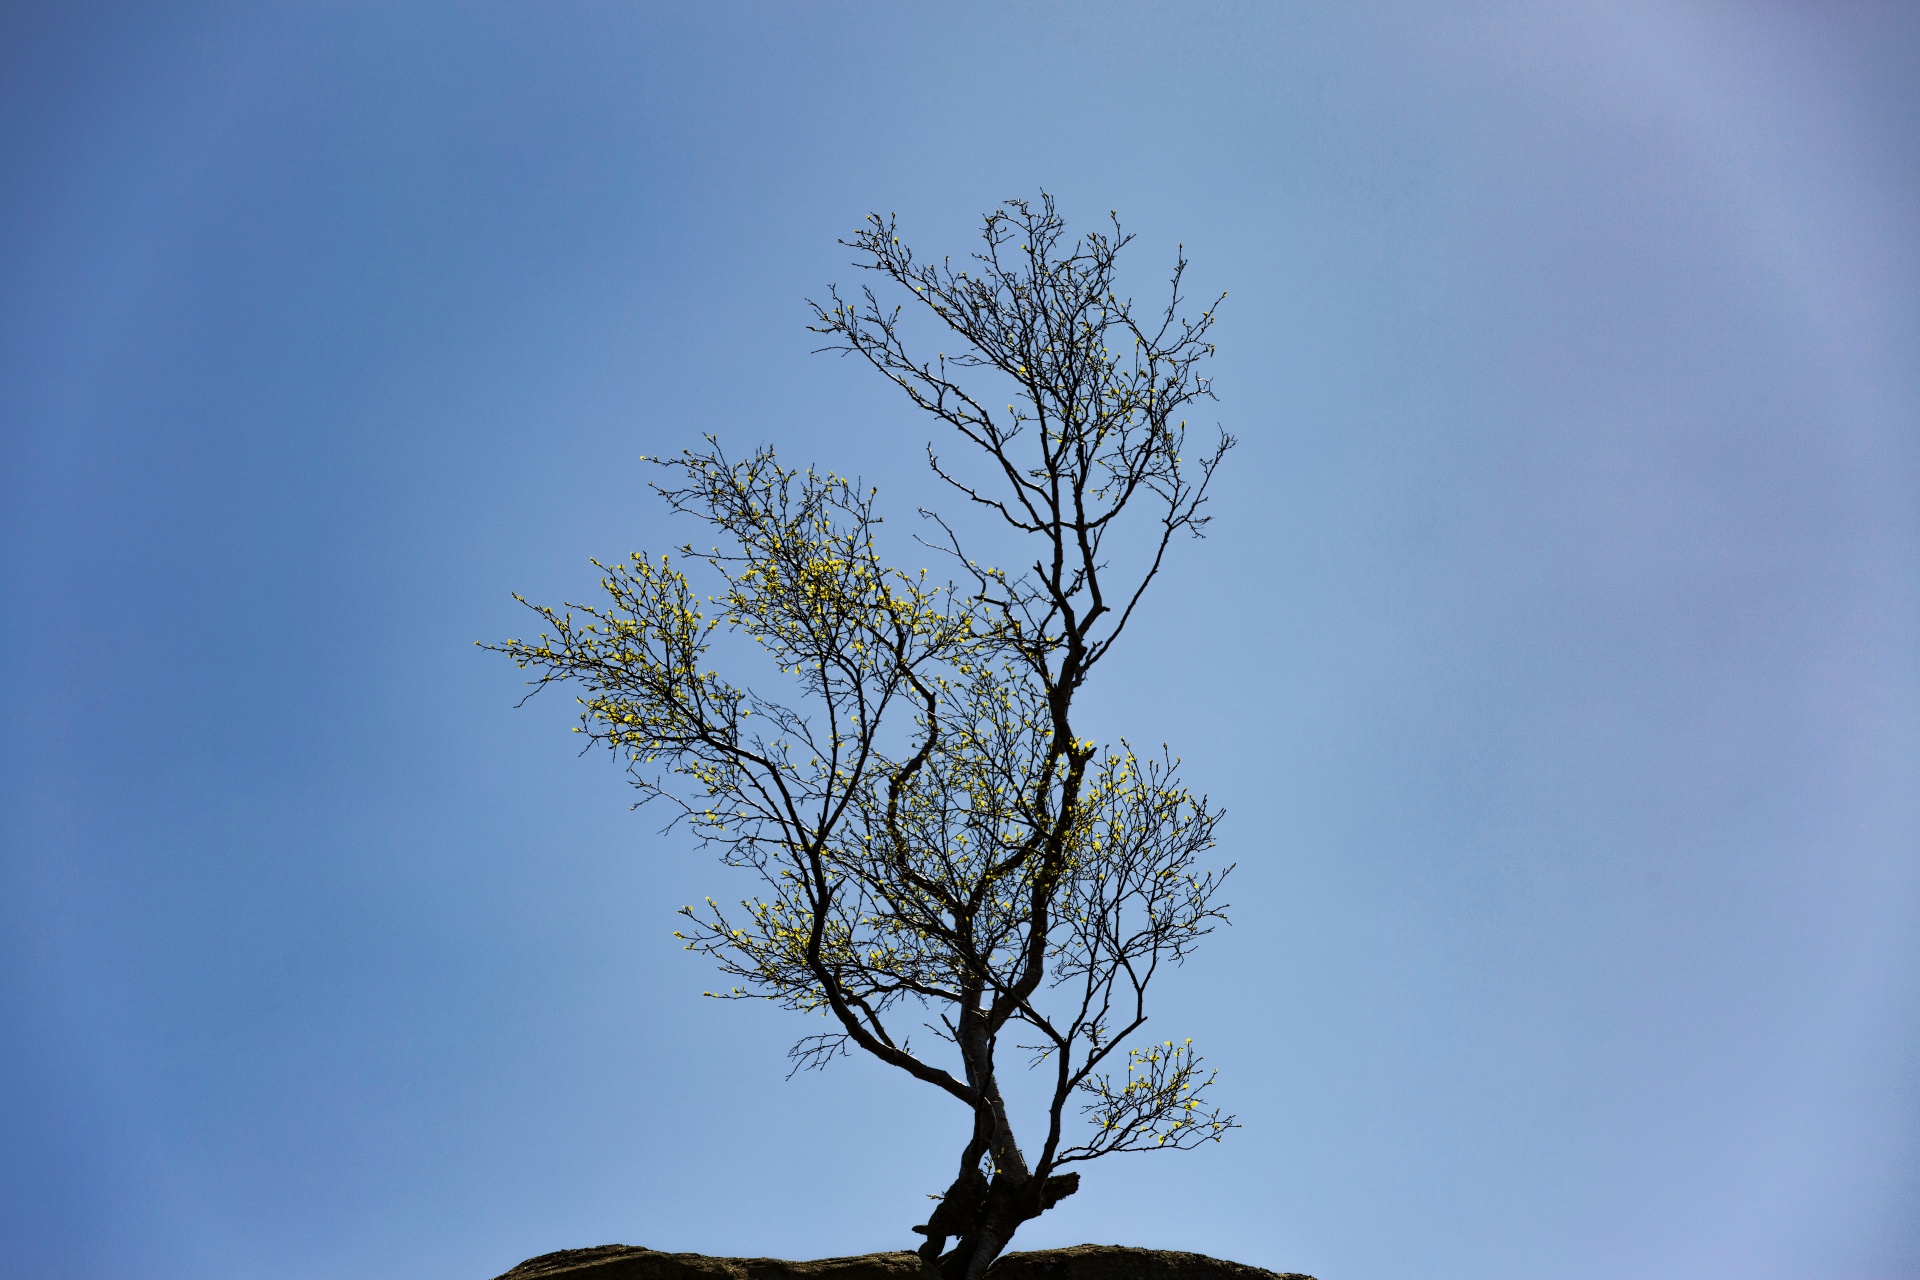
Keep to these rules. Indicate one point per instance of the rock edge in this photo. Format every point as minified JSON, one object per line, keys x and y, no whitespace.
{"x":1080,"y":1262}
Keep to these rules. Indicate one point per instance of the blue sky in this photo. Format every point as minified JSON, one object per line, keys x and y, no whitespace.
{"x":1555,"y":653}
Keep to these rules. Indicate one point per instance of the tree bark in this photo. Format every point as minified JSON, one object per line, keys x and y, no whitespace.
{"x":984,"y":1215}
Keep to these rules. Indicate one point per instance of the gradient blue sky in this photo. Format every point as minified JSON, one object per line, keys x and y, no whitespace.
{"x":1556,"y":654}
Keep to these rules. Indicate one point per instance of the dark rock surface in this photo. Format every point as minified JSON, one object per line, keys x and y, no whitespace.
{"x":630,"y":1262}
{"x":1081,"y":1262}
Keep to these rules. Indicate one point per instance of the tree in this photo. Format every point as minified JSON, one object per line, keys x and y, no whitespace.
{"x":933,"y":840}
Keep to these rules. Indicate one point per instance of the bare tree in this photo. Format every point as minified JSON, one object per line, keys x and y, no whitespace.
{"x":934,"y":843}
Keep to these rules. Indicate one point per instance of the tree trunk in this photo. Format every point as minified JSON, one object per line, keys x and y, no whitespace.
{"x":984,"y":1215}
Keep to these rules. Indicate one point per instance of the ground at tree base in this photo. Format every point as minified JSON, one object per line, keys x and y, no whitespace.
{"x":1081,"y":1262}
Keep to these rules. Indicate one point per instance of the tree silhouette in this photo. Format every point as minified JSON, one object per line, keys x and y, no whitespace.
{"x":934,"y":844}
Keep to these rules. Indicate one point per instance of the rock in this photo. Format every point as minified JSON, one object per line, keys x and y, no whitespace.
{"x":630,"y":1262}
{"x":1117,"y":1262}
{"x":1081,"y":1262}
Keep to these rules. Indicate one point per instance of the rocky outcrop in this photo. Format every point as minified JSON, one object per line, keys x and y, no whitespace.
{"x":1116,"y":1262}
{"x":1081,"y":1262}
{"x":630,"y":1262}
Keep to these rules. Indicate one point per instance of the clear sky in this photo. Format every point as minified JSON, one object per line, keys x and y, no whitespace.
{"x":1556,"y":653}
